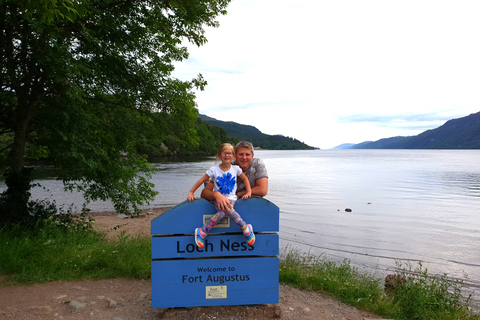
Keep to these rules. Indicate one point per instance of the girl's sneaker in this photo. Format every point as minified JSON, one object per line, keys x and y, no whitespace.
{"x":200,"y":237}
{"x":248,"y":232}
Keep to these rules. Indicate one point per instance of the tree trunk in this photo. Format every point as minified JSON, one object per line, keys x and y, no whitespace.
{"x":17,"y":152}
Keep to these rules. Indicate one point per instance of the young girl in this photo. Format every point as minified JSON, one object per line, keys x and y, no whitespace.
{"x":224,"y":177}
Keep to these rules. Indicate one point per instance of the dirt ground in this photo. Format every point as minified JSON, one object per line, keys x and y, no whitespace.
{"x":124,"y":299}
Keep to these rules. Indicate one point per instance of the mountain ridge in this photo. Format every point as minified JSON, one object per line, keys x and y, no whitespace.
{"x":459,"y":133}
{"x":255,"y":136}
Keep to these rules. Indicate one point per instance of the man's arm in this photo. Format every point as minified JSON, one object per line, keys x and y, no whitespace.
{"x":248,"y":189}
{"x":260,"y":189}
{"x":207,"y":192}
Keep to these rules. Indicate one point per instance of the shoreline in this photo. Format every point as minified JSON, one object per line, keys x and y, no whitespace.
{"x":113,"y":224}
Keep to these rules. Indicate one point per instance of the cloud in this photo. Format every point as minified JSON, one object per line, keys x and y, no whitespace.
{"x":233,"y":108}
{"x":395,"y":118}
{"x":329,"y":72}
{"x":408,"y":123}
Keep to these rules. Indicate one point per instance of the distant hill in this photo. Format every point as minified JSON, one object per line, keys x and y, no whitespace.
{"x":461,"y":133}
{"x":255,"y":136}
{"x":344,"y":146}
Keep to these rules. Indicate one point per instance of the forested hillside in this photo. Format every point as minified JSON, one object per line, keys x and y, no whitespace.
{"x":255,"y":136}
{"x":207,"y":140}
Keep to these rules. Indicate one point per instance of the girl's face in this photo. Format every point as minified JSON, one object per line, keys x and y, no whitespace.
{"x":227,"y":155}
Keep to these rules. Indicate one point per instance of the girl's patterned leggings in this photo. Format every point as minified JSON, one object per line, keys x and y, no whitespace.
{"x":220,"y":215}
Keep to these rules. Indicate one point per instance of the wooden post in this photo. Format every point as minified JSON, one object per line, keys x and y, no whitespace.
{"x":227,"y":271}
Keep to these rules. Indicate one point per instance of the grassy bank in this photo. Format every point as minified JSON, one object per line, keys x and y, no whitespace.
{"x":56,"y":250}
{"x":64,"y":252}
{"x":412,"y":294}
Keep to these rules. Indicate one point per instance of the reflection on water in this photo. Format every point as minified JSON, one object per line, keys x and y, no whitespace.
{"x":462,"y":183}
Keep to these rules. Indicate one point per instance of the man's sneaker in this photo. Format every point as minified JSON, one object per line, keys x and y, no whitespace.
{"x":249,"y":234}
{"x":200,"y":237}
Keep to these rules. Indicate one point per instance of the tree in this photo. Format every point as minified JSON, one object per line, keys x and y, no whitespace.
{"x":72,"y":74}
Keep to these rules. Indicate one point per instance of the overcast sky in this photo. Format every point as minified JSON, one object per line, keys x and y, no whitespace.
{"x":328,"y":72}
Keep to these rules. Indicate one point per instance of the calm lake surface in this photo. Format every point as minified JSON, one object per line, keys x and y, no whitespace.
{"x":407,"y":205}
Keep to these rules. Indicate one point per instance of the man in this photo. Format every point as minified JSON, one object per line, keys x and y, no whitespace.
{"x":255,"y":171}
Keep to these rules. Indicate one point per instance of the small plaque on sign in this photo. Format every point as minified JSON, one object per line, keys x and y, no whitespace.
{"x":216,"y":292}
{"x":224,"y":223}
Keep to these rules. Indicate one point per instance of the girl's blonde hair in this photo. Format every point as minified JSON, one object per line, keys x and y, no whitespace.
{"x":223,"y":147}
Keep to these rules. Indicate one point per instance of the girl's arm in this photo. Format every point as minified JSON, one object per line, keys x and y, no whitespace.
{"x":248,"y":189}
{"x":191,"y":193}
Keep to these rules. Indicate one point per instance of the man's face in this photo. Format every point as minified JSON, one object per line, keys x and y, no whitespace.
{"x":244,"y":158}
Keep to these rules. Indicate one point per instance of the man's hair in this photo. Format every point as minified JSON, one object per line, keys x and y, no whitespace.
{"x":244,"y":144}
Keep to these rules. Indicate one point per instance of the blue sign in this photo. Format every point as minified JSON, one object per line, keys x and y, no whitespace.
{"x":227,"y":271}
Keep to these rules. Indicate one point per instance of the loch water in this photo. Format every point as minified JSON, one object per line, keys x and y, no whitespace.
{"x":406,"y":205}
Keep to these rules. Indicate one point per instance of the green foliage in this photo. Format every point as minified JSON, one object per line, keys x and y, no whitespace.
{"x":49,"y":11}
{"x":95,"y":152}
{"x":276,"y":142}
{"x":419,"y":295}
{"x":84,"y":83}
{"x":206,"y":139}
{"x":209,"y":139}
{"x":340,"y":280}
